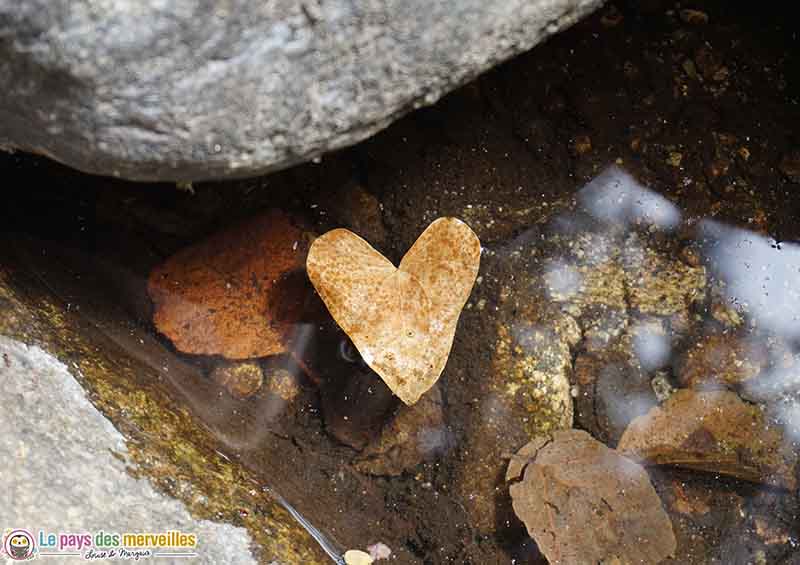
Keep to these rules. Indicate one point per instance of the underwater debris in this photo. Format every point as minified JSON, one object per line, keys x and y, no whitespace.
{"x":585,"y":503}
{"x":694,"y":17}
{"x":401,"y":319}
{"x":242,"y":379}
{"x":379,"y":551}
{"x":357,"y":557}
{"x":233,"y":294}
{"x":713,"y":431}
{"x":722,"y":360}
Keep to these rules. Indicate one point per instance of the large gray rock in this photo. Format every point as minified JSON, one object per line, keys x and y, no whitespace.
{"x":201,"y":89}
{"x":64,"y":467}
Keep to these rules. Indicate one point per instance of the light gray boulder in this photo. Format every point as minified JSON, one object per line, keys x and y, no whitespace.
{"x":207,"y":89}
{"x":65,"y":469}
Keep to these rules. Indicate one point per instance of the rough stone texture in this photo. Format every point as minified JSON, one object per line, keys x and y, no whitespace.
{"x":604,"y":269}
{"x":64,"y":466}
{"x":164,"y":442}
{"x":239,"y":293}
{"x":241,"y":379}
{"x":618,"y":300}
{"x":531,"y":368}
{"x":721,"y":360}
{"x":525,"y":394}
{"x":613,"y":390}
{"x":584,"y":503}
{"x":716,"y":432}
{"x":189,"y":90}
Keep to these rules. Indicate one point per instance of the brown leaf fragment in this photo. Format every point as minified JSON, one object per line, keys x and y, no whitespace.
{"x":401,"y":319}
{"x":585,"y":503}
{"x":694,"y":17}
{"x":712,"y":431}
{"x":235,"y":293}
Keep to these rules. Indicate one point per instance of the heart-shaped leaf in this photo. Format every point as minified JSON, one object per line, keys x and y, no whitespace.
{"x":402,"y":320}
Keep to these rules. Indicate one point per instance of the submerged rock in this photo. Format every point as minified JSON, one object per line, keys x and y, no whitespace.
{"x":531,"y":364}
{"x":658,"y":284}
{"x":723,"y":360}
{"x":525,"y":394}
{"x":165,"y":443}
{"x":236,"y":294}
{"x":632,"y":302}
{"x":417,"y":433}
{"x":619,"y":298}
{"x":356,"y":404}
{"x":241,"y":379}
{"x":716,"y":432}
{"x":584,"y":503}
{"x":611,"y":391}
{"x":593,"y":268}
{"x":283,"y":384}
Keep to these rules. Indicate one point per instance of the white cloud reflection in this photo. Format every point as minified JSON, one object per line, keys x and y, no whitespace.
{"x":615,"y":197}
{"x":562,"y":280}
{"x":652,"y":346}
{"x":762,"y":277}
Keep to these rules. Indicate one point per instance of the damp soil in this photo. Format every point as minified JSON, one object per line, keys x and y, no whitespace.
{"x":705,"y":114}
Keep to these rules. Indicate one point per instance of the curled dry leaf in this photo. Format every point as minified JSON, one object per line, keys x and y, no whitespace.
{"x":401,"y":319}
{"x":584,"y":503}
{"x":235,"y":293}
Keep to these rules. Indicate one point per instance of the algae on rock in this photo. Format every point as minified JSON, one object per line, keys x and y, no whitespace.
{"x":164,"y":440}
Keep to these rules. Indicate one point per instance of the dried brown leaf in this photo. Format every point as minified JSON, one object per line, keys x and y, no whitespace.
{"x":401,"y":319}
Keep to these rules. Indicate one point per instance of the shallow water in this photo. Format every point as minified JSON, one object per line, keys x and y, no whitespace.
{"x":639,"y":232}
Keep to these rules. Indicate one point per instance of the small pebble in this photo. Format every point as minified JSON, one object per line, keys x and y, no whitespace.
{"x":241,"y":379}
{"x":694,"y":17}
{"x":379,"y":551}
{"x":675,"y":159}
{"x":582,"y":144}
{"x":282,"y":383}
{"x":357,"y":557}
{"x":662,"y":388}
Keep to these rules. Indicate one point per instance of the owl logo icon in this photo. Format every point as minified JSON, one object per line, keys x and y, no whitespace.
{"x":19,"y":545}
